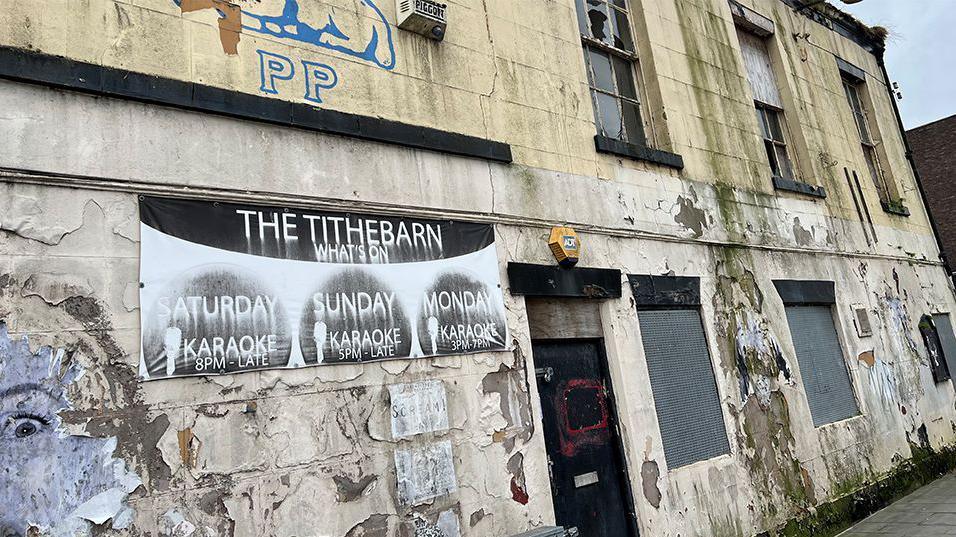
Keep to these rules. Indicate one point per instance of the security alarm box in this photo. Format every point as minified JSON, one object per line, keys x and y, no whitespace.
{"x":423,"y":17}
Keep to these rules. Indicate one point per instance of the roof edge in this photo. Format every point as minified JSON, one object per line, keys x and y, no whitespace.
{"x":872,"y":38}
{"x":932,"y":123}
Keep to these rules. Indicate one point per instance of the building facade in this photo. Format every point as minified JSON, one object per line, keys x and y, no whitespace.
{"x":758,"y":326}
{"x":933,"y":145}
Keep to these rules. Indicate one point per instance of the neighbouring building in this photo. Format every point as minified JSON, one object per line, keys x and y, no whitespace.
{"x":933,"y":146}
{"x":288,"y":267}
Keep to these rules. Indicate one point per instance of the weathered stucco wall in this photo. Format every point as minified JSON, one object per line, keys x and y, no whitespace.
{"x":254,"y":454}
{"x":318,"y":441}
{"x":258,"y":453}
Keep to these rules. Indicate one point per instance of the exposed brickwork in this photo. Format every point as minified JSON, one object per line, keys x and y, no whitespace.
{"x":934,"y":149}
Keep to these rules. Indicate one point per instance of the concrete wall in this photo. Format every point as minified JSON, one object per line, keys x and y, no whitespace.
{"x":315,"y":457}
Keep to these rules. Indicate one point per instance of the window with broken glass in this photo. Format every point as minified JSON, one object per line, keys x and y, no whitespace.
{"x":611,"y":60}
{"x":767,"y":101}
{"x":770,"y":121}
{"x":853,"y":97}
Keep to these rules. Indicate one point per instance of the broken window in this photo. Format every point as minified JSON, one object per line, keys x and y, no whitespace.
{"x":767,"y":101}
{"x":826,"y":379}
{"x":771,"y":128}
{"x":853,"y":97}
{"x":684,"y":386}
{"x":934,"y":348}
{"x":947,"y":339}
{"x":611,"y":63}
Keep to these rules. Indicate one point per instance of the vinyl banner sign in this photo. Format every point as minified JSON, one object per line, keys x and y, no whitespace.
{"x":228,"y":288}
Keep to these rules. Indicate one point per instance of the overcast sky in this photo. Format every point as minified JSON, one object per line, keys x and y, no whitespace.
{"x":921,"y":53}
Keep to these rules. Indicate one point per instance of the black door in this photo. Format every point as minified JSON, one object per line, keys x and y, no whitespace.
{"x":588,"y":478}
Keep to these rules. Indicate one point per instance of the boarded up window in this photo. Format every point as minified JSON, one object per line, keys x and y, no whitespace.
{"x":759,"y":69}
{"x":683,"y":384}
{"x":822,"y":365}
{"x":944,"y":327}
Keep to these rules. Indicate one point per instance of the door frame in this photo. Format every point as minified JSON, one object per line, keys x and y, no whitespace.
{"x":619,"y":451}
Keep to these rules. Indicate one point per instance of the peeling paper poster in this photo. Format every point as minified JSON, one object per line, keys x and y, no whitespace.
{"x":417,"y":408}
{"x":425,"y":472}
{"x":228,"y":288}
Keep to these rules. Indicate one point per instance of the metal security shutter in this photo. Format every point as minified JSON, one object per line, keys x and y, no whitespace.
{"x":944,"y":327}
{"x":682,"y":380}
{"x":820,"y":357}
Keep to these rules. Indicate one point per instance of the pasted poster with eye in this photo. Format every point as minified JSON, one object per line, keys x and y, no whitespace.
{"x":227,"y":288}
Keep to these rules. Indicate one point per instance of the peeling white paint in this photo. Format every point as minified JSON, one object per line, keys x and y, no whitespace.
{"x":425,"y":472}
{"x":882,"y":381}
{"x":176,"y":525}
{"x":23,"y":215}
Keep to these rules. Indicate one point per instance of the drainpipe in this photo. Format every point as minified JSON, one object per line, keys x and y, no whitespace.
{"x":909,"y":158}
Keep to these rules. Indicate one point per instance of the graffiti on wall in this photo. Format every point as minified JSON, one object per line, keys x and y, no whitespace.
{"x":366,"y":36}
{"x":51,"y":480}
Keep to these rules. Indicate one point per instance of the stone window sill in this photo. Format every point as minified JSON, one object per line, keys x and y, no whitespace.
{"x":604,"y":144}
{"x":896,"y":208}
{"x":799,"y":187}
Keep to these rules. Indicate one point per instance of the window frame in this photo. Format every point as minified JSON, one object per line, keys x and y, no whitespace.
{"x":939,"y":366}
{"x":590,"y":44}
{"x":766,"y":131}
{"x":851,"y":88}
{"x":791,"y":144}
{"x":645,"y":134}
{"x":820,"y":294}
{"x":856,"y":90}
{"x":943,"y":321}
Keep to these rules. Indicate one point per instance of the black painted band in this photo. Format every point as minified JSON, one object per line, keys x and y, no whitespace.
{"x":35,"y":68}
{"x":801,"y":188}
{"x":896,"y":208}
{"x":664,"y":291}
{"x":851,"y":71}
{"x":604,"y":144}
{"x":554,"y":281}
{"x":806,"y":292}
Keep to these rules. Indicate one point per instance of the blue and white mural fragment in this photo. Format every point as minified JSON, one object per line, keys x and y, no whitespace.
{"x":368,"y":38}
{"x":52,"y":481}
{"x":375,"y":49}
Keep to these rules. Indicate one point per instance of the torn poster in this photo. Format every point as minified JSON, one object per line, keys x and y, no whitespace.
{"x":228,"y":288}
{"x":56,"y":483}
{"x":425,"y":472}
{"x":418,"y":407}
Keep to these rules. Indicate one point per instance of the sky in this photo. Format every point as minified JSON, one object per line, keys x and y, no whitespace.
{"x":920,"y":55}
